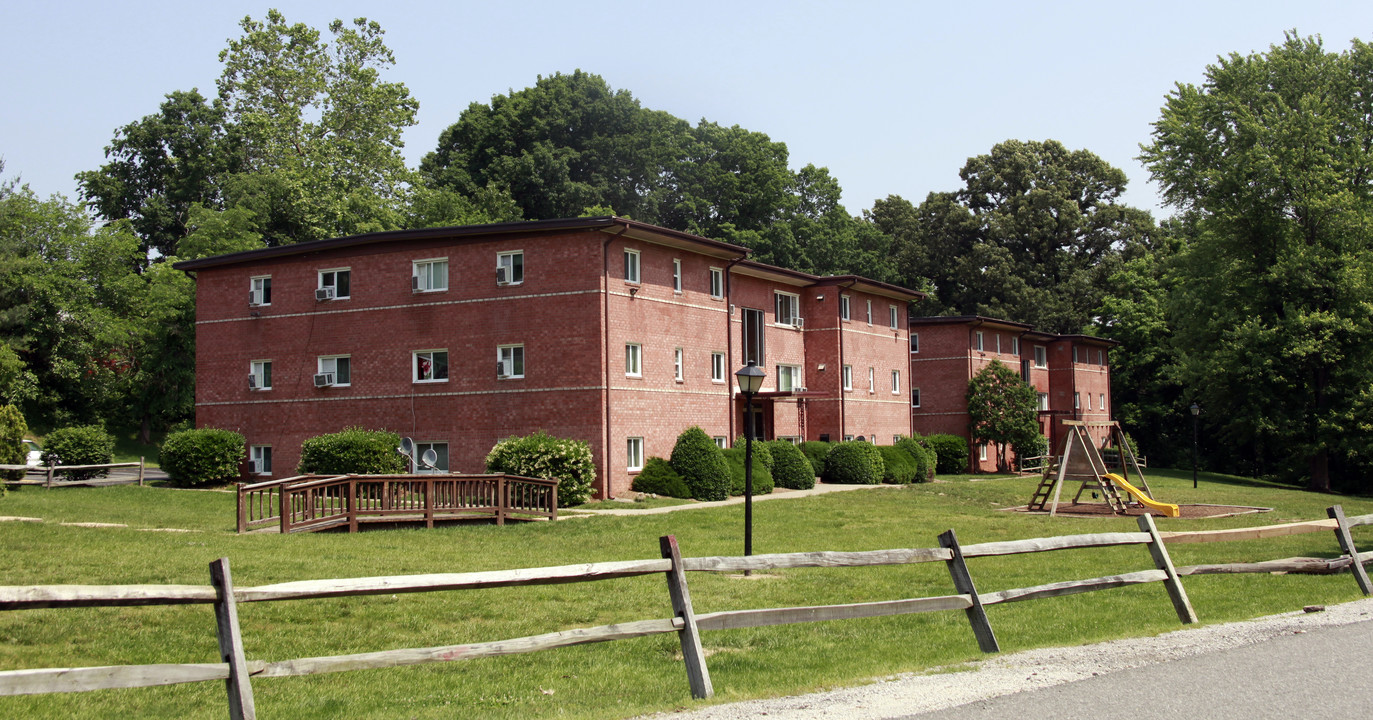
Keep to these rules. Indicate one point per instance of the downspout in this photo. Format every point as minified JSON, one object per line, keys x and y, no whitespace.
{"x":729,"y":344}
{"x":843,"y":398}
{"x":973,"y":461}
{"x":605,"y":366}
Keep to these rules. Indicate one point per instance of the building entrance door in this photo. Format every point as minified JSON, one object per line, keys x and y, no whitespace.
{"x":758,"y":417}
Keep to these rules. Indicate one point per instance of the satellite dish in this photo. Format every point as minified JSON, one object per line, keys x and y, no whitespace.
{"x":407,"y":447}
{"x":430,"y":457}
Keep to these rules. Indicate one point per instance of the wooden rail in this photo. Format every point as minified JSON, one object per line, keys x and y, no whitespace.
{"x":237,"y":670}
{"x":308,"y":503}
{"x":49,"y":470}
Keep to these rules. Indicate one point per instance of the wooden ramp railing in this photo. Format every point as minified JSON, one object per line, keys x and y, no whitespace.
{"x":312,"y":502}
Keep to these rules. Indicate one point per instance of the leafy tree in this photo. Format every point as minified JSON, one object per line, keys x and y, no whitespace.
{"x":1001,"y":410}
{"x":1270,"y":303}
{"x":12,"y":450}
{"x":1032,"y":236}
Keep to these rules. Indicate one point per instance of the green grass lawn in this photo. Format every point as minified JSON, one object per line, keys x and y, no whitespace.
{"x":610,"y":680}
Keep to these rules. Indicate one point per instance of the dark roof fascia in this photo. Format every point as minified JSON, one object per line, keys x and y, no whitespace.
{"x":1090,"y":339}
{"x":971,"y":320}
{"x":869,"y":285}
{"x":458,"y":232}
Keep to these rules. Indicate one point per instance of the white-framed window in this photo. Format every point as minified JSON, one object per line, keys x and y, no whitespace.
{"x":430,"y":275}
{"x":891,"y":316}
{"x":634,"y":360}
{"x":872,"y":380}
{"x":869,"y":312}
{"x":1043,"y":402}
{"x":788,"y":308}
{"x":1102,"y":398}
{"x":509,"y":361}
{"x":977,"y":341}
{"x":897,"y":438}
{"x":510,"y":267}
{"x":634,"y":453}
{"x":260,"y":290}
{"x":677,"y":364}
{"x":844,"y":307}
{"x":717,"y":283}
{"x":998,"y":343}
{"x":982,"y":452}
{"x":1089,"y":401}
{"x":1015,"y":346}
{"x":261,"y":457}
{"x":793,"y":439}
{"x":430,"y":366}
{"x":1041,"y":357}
{"x":915,"y":397}
{"x":440,"y":462}
{"x":1074,"y":353}
{"x":1077,"y":401}
{"x":848,"y":438}
{"x":676,"y":275}
{"x":896,"y":382}
{"x":788,"y":377}
{"x":717,"y":367}
{"x":915,"y":342}
{"x":1100,"y":358}
{"x":333,"y":284}
{"x":338,"y":367}
{"x":260,"y":375}
{"x":631,"y":266}
{"x":848,"y":377}
{"x":720,"y":441}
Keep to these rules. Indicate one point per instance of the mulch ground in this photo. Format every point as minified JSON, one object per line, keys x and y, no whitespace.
{"x":1186,"y":511}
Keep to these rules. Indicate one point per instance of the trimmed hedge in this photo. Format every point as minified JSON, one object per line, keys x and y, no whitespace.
{"x":12,"y":451}
{"x":854,"y":463}
{"x":762,"y":450}
{"x":351,"y":451}
{"x":658,"y":478}
{"x":543,"y":456}
{"x":84,"y":445}
{"x":762,"y":477}
{"x":701,"y":464}
{"x":790,"y":468}
{"x":925,"y":459}
{"x":952,"y":452}
{"x":898,"y":467}
{"x":816,"y":451}
{"x":203,"y":457}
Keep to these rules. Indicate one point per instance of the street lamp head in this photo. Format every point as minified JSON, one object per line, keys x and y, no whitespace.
{"x":1196,"y":409}
{"x":750,"y":378}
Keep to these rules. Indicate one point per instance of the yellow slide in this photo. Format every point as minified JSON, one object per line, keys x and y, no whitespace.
{"x":1168,"y":509}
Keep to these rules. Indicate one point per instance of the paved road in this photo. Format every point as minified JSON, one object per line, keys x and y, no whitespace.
{"x":1318,"y":673}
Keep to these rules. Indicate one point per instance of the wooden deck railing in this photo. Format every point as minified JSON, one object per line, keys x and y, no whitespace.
{"x":311,"y":502}
{"x":237,"y":669}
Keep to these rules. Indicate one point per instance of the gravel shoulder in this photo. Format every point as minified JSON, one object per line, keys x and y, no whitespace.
{"x":905,"y":695}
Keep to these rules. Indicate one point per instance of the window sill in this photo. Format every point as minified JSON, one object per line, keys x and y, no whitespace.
{"x":429,"y":382}
{"x":430,"y":292}
{"x":635,"y":377}
{"x":509,"y":377}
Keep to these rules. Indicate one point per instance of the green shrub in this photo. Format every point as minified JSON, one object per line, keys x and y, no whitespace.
{"x":816,"y":451}
{"x":543,"y":456}
{"x":701,"y":464}
{"x":1033,"y":446}
{"x":898,"y":467}
{"x":925,"y":459}
{"x":790,"y":468}
{"x":12,"y":450}
{"x":762,"y":477}
{"x":854,"y":463}
{"x":203,"y":457}
{"x":952,"y":453}
{"x":658,"y":478}
{"x":352,"y":451}
{"x":83,"y":445}
{"x":762,"y":452}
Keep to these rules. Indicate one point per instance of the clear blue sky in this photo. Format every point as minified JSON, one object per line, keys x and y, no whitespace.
{"x":892,"y":97}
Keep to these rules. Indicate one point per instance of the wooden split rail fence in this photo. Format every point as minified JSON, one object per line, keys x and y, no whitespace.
{"x":48,"y":471}
{"x":317,"y":502}
{"x":236,"y":670}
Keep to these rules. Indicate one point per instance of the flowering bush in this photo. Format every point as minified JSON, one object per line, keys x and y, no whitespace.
{"x":543,"y":456}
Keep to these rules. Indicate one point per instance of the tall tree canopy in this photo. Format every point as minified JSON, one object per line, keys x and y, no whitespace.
{"x":1273,"y":153}
{"x":1032,"y":236}
{"x":1002,"y":410}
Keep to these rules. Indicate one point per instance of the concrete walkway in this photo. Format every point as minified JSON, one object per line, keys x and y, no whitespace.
{"x":777,"y":494}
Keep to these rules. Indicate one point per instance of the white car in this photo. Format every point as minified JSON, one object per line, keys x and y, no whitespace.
{"x":35,"y":454}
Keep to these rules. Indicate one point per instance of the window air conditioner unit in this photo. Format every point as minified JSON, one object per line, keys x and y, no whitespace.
{"x":255,"y":466}
{"x":252,"y":382}
{"x":254,"y":297}
{"x":324,"y":379}
{"x":414,"y":283}
{"x":799,"y":322}
{"x":502,"y":275}
{"x":324,"y":293}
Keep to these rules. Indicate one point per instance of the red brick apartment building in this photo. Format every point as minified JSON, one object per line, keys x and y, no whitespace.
{"x":615,"y":332}
{"x":1070,"y":373}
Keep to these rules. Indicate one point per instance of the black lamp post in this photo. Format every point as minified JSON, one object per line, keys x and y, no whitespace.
{"x":1196,"y":411}
{"x":750,"y":381}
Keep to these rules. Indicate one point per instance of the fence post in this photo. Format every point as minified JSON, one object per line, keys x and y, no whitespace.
{"x":1348,"y":548}
{"x":240,"y":690}
{"x":48,"y":484}
{"x":963,"y":583}
{"x":1176,"y":593}
{"x":242,"y":510}
{"x":692,"y":654}
{"x":140,"y":471}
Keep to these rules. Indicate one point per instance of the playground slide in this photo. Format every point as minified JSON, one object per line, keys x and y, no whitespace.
{"x":1168,"y":509}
